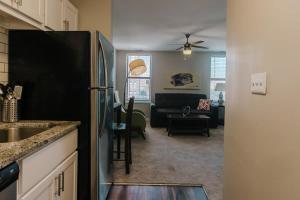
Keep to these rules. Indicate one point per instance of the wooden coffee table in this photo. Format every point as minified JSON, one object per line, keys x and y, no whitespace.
{"x":177,"y":118}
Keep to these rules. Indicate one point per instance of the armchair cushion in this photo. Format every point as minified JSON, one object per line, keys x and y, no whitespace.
{"x":138,"y":120}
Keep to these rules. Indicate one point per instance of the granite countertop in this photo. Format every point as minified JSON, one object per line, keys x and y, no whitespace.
{"x":13,"y":151}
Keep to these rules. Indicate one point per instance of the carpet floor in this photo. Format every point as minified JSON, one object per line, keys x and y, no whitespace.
{"x":179,"y":159}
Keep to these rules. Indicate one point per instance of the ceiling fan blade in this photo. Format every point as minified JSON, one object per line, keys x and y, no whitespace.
{"x":198,"y":42}
{"x":179,"y":48}
{"x":200,"y":47}
{"x":176,"y":44}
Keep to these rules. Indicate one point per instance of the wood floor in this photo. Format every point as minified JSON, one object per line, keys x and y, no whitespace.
{"x":156,"y":192}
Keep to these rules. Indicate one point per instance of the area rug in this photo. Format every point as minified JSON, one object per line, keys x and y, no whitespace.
{"x":179,"y":159}
{"x":157,"y":192}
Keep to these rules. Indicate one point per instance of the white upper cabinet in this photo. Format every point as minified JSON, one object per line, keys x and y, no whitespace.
{"x":32,"y":8}
{"x":8,"y":2}
{"x":53,"y":14}
{"x":70,"y":16}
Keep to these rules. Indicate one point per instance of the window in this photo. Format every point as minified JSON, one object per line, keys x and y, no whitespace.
{"x":139,"y":86}
{"x":217,"y":75}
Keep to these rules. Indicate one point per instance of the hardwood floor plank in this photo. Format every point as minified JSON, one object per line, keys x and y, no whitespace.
{"x":156,"y":192}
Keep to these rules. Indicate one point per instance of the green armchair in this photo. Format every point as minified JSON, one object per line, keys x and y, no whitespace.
{"x":138,"y":118}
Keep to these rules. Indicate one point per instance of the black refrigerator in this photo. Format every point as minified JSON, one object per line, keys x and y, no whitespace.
{"x":70,"y":76}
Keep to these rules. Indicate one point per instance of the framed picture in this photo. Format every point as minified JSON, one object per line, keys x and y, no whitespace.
{"x":182,"y":80}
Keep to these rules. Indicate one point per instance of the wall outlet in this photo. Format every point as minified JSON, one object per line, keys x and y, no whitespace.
{"x":259,"y":83}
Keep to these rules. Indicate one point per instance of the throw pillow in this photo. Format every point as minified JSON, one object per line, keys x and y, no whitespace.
{"x":204,"y":104}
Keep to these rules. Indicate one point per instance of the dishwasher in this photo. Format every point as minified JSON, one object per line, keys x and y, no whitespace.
{"x":8,"y":185}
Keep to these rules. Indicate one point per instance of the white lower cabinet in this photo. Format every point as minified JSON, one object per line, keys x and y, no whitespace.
{"x":69,"y":179}
{"x":51,"y":173}
{"x":45,"y":190}
{"x":61,"y":184}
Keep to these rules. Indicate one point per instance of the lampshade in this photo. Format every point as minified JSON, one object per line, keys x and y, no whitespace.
{"x":137,"y":67}
{"x":187,"y":51}
{"x":220,"y":87}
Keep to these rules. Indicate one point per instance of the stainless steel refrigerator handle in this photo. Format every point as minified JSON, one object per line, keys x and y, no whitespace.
{"x":105,"y":111}
{"x":105,"y":74}
{"x":97,"y":88}
{"x":103,"y":56}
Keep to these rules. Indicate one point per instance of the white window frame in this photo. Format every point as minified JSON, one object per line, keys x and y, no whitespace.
{"x":217,"y":79}
{"x":147,"y":78}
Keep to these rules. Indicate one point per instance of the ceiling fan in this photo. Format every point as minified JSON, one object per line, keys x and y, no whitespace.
{"x":187,"y":47}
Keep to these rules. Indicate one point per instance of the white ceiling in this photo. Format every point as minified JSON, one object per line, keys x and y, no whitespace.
{"x":154,"y":24}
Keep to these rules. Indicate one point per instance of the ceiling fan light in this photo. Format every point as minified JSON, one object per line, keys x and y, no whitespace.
{"x":187,"y":51}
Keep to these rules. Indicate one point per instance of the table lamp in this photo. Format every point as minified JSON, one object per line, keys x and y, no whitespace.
{"x":220,"y":87}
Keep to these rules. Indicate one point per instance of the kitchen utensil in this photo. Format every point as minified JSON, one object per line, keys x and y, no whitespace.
{"x":10,"y":108}
{"x":18,"y":92}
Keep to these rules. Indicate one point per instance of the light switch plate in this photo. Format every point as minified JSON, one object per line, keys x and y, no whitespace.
{"x":259,"y":83}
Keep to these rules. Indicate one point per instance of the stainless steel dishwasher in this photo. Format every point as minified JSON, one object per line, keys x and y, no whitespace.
{"x":8,"y":185}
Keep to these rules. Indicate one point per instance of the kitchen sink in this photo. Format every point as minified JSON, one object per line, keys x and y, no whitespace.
{"x":14,"y":134}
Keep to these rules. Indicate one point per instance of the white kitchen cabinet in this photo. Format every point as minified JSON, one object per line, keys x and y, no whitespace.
{"x":45,"y":190}
{"x":70,"y":16}
{"x":8,"y":2}
{"x":54,"y":14}
{"x":69,"y":179}
{"x":61,"y":184}
{"x":44,"y":14}
{"x":51,"y":173}
{"x":32,"y":8}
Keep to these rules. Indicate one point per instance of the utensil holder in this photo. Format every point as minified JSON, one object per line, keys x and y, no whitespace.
{"x":10,"y":110}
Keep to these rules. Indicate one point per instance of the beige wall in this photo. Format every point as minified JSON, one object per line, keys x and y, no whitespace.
{"x":95,"y":15}
{"x":164,"y":63}
{"x":262,"y":133}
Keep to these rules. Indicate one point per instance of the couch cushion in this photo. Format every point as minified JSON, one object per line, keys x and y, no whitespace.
{"x":174,"y":110}
{"x":178,"y":100}
{"x":169,"y":110}
{"x":204,"y":104}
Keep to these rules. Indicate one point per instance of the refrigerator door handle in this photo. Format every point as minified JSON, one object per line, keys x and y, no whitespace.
{"x":104,"y":118}
{"x":104,"y":62}
{"x":97,"y":88}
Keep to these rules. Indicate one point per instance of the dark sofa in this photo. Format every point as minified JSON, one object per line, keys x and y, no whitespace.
{"x":166,"y":103}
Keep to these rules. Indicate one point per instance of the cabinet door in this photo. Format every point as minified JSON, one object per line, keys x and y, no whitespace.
{"x":60,"y":184}
{"x":32,"y":8}
{"x":69,"y":179}
{"x":45,"y":190}
{"x":8,"y":2}
{"x":70,"y":16}
{"x":53,"y":14}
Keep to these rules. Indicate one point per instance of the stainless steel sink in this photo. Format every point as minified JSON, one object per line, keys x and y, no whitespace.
{"x":13,"y":134}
